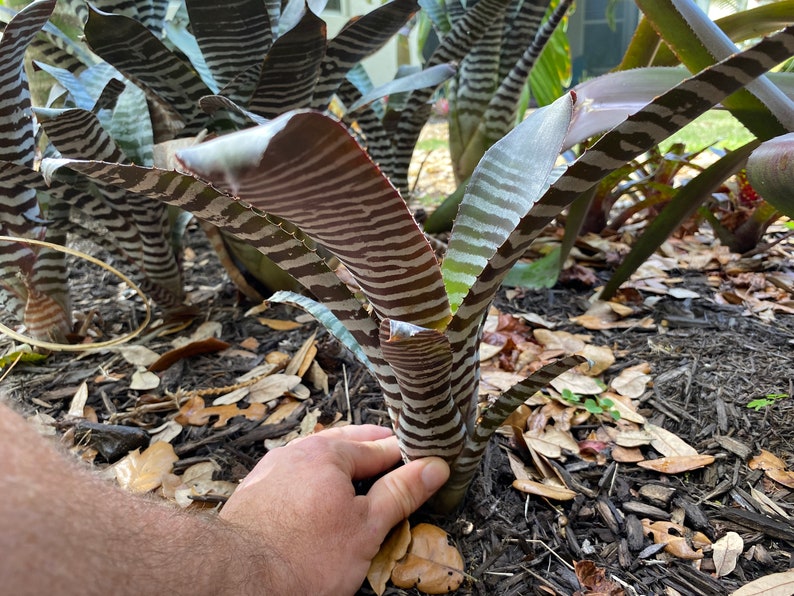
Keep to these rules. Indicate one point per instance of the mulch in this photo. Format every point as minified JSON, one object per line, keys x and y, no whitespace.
{"x":707,"y":361}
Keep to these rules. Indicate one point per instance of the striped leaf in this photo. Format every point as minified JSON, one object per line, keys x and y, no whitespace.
{"x":770,"y":171}
{"x":502,"y":191}
{"x":291,"y":68}
{"x":305,"y":168}
{"x":143,"y":59}
{"x":467,"y":463}
{"x":698,"y":42}
{"x":421,"y":359}
{"x":16,"y":125}
{"x":233,"y":36}
{"x":641,"y":131}
{"x":359,"y":38}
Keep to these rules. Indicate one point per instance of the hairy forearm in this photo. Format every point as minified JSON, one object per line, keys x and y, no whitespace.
{"x":65,"y":531}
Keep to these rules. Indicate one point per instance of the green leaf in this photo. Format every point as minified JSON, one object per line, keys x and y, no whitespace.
{"x":503,"y":190}
{"x":770,"y":171}
{"x":686,"y":201}
{"x":540,"y":273}
{"x":328,"y":320}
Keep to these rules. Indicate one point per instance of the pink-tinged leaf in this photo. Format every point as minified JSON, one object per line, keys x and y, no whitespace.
{"x":305,"y":168}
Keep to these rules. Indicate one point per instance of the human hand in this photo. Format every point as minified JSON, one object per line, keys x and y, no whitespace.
{"x":307,"y":532}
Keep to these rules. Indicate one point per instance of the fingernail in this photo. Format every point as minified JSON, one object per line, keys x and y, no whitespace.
{"x":435,"y":474}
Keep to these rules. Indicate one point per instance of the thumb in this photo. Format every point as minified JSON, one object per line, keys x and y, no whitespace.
{"x":399,"y":493}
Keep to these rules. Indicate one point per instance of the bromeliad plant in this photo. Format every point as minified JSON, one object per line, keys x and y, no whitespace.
{"x":420,"y":335}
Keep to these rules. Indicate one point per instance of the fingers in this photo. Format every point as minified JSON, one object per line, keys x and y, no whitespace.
{"x":399,"y":493}
{"x":355,"y":432}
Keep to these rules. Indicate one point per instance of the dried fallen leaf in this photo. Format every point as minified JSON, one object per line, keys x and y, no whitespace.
{"x":143,"y":380}
{"x":279,"y":324}
{"x":677,"y":463}
{"x":194,"y":348}
{"x":578,"y":383}
{"x":766,"y":461}
{"x":594,"y":580}
{"x":432,"y":565}
{"x":138,"y":355}
{"x":627,"y":455}
{"x":633,"y":438}
{"x":561,"y":340}
{"x":683,"y":543}
{"x":303,"y":357}
{"x":600,"y":357}
{"x":141,"y":472}
{"x":774,"y":584}
{"x":667,"y":443}
{"x":632,"y":381}
{"x":195,"y":413}
{"x":283,"y":411}
{"x":726,"y":552}
{"x":784,"y":477}
{"x":554,"y":492}
{"x":77,"y":405}
{"x":272,"y":387}
{"x":393,"y":549}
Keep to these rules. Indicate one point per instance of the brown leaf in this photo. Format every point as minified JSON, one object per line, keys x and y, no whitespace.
{"x":272,"y":387}
{"x":784,"y":477}
{"x":204,"y":346}
{"x":433,"y":564}
{"x":677,"y":463}
{"x":627,"y":455}
{"x":554,"y":492}
{"x":279,"y":324}
{"x":303,"y":357}
{"x":774,"y":584}
{"x":602,"y":358}
{"x":766,"y":461}
{"x":283,"y":411}
{"x":726,"y":552}
{"x":195,"y":413}
{"x":141,"y":472}
{"x":393,"y":549}
{"x":632,"y":381}
{"x":682,"y":543}
{"x":667,"y":443}
{"x":594,"y":580}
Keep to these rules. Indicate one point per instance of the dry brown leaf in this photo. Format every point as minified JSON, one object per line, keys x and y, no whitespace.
{"x":433,"y":564}
{"x":667,"y":443}
{"x":627,"y":455}
{"x":318,"y":378}
{"x":204,"y":331}
{"x":488,"y":351}
{"x":195,"y":348}
{"x":766,"y":461}
{"x":633,"y":381}
{"x":300,"y":362}
{"x":393,"y":549}
{"x":77,"y":405}
{"x":594,"y":580}
{"x":677,"y":463}
{"x":250,"y":343}
{"x":633,"y":438}
{"x":601,"y":358}
{"x":767,"y":504}
{"x":279,"y":324}
{"x":143,"y":380}
{"x":520,"y":470}
{"x":626,"y":407}
{"x":726,"y":552}
{"x":494,"y":380}
{"x":195,"y":413}
{"x":554,"y":492}
{"x":272,"y":387}
{"x":578,"y":383}
{"x":684,"y":544}
{"x":561,"y":340}
{"x":141,"y":472}
{"x":232,"y":397}
{"x":283,"y":411}
{"x":563,"y":438}
{"x":138,"y":355}
{"x":774,"y":584}
{"x":784,"y":477}
{"x":537,"y":441}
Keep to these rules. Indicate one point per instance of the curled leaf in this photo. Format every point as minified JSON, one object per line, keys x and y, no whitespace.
{"x":432,"y":565}
{"x":677,"y":463}
{"x":392,"y":550}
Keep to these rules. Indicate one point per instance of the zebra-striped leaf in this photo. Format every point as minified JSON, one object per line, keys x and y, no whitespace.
{"x":430,"y":423}
{"x":429,"y":77}
{"x":291,"y":68}
{"x":637,"y":134}
{"x":502,"y":190}
{"x":305,"y":168}
{"x":143,"y":59}
{"x":699,"y":43}
{"x":328,"y":319}
{"x":359,"y":38}
{"x":233,"y":36}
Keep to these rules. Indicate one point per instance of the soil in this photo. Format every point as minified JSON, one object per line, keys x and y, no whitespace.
{"x":707,"y":361}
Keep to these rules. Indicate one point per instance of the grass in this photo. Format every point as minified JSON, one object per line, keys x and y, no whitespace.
{"x":716,"y":127}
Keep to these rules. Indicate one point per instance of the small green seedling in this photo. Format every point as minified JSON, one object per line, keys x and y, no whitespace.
{"x":768,"y":400}
{"x":594,"y":405}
